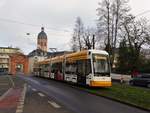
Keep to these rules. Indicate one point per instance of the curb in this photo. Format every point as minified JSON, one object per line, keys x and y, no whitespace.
{"x":126,"y":103}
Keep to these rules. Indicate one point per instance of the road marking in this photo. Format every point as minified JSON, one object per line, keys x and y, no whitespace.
{"x":54,"y":104}
{"x":29,"y":86}
{"x":34,"y":89}
{"x":19,"y":110}
{"x":9,"y":90}
{"x":32,"y":80}
{"x":22,"y":103}
{"x":41,"y":94}
{"x":21,"y":100}
{"x":20,"y":107}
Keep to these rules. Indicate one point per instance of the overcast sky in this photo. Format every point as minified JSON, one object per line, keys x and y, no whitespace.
{"x":57,"y":16}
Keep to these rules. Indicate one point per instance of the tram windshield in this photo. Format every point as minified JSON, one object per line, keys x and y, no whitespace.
{"x":101,"y":65}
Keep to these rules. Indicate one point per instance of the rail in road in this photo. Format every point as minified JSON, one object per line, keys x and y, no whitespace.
{"x":78,"y":101}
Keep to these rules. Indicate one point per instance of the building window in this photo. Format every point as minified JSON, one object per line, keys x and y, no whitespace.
{"x":41,"y":43}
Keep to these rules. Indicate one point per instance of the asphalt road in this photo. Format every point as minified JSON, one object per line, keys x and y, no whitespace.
{"x":78,"y":101}
{"x":37,"y":102}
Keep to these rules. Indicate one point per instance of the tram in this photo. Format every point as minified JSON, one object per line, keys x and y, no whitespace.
{"x":88,"y":67}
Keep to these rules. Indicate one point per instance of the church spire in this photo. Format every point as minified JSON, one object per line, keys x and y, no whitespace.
{"x":42,"y":40}
{"x":42,"y":28}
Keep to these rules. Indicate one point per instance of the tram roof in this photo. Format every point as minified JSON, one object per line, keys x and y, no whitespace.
{"x":73,"y":56}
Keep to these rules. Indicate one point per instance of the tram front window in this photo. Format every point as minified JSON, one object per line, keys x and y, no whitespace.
{"x":101,"y":65}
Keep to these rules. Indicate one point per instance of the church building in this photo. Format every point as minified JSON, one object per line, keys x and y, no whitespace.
{"x":40,"y":53}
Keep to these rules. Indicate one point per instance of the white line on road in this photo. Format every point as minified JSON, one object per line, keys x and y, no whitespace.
{"x":22,"y":103}
{"x":54,"y":104}
{"x":4,"y":95}
{"x":19,"y":110}
{"x":20,"y":107}
{"x":41,"y":94}
{"x":34,"y":89}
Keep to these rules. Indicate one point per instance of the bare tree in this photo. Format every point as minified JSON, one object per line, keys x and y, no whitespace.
{"x":111,"y":14}
{"x":74,"y":43}
{"x":104,"y":21}
{"x":78,"y":35}
{"x":120,"y":10}
{"x":89,"y":38}
{"x":83,"y":38}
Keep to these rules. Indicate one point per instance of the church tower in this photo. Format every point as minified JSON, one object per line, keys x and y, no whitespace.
{"x":42,"y":40}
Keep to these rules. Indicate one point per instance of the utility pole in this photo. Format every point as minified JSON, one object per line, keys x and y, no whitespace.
{"x":93,"y":41}
{"x":53,"y":50}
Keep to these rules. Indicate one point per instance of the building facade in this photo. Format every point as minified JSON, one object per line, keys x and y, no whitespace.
{"x":34,"y":57}
{"x":12,"y":61}
{"x":18,"y":64}
{"x":5,"y":53}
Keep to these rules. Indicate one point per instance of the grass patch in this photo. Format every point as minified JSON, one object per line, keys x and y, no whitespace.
{"x":125,"y":93}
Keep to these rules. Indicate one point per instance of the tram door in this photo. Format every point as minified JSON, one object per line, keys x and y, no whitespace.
{"x":81,"y":77}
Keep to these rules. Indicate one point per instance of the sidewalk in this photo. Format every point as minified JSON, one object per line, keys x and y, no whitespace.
{"x":10,"y":89}
{"x":5,"y":84}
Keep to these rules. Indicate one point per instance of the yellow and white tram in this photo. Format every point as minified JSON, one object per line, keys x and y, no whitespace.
{"x":88,"y":67}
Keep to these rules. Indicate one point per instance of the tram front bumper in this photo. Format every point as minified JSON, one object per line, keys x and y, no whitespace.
{"x":100,"y":83}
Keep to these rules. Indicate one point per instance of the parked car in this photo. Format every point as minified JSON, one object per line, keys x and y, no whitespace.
{"x":141,"y":80}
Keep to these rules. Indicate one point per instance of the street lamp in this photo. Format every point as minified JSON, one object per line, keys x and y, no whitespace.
{"x":53,"y":50}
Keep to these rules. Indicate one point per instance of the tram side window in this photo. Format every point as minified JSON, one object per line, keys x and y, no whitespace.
{"x":56,"y":67}
{"x":88,"y":67}
{"x":81,"y":67}
{"x":70,"y":68}
{"x":84,"y":67}
{"x":59,"y":67}
{"x":42,"y":69}
{"x":46,"y":67}
{"x":53,"y":68}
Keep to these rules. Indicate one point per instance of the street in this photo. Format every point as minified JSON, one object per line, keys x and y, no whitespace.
{"x":46,"y":96}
